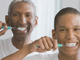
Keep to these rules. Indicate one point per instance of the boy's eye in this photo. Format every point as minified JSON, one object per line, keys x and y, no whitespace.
{"x":76,"y":29}
{"x":15,"y":15}
{"x":62,"y":29}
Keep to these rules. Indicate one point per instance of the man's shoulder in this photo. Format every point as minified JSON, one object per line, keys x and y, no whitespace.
{"x":4,"y":41}
{"x":4,"y":47}
{"x":1,"y":42}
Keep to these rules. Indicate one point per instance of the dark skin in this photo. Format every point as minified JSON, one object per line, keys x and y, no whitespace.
{"x":68,"y":31}
{"x":22,"y":15}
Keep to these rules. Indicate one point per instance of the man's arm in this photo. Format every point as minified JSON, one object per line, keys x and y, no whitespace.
{"x":19,"y":55}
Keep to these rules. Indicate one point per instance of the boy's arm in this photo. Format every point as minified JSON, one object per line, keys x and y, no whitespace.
{"x":19,"y":55}
{"x":41,"y":45}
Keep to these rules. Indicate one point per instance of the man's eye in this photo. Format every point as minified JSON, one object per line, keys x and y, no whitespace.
{"x":28,"y":15}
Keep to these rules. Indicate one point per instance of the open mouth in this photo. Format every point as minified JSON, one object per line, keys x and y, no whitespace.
{"x":21,"y":28}
{"x":70,"y":44}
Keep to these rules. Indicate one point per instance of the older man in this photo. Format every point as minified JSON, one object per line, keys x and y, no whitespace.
{"x":22,"y":18}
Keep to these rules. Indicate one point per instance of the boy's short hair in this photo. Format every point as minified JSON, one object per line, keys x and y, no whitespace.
{"x":68,"y":10}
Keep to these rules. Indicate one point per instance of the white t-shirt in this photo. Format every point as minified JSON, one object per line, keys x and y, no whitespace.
{"x":7,"y":48}
{"x":43,"y":57}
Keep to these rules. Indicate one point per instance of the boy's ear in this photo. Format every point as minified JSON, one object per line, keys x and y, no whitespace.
{"x":7,"y":20}
{"x":36,"y":21}
{"x":54,"y":34}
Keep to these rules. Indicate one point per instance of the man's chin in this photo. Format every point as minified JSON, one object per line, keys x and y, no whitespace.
{"x":20,"y":38}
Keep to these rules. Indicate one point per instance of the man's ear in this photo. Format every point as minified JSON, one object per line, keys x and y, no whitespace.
{"x":7,"y":20}
{"x":36,"y":21}
{"x":54,"y":34}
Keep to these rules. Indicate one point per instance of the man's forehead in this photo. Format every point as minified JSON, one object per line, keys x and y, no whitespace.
{"x":22,"y":6}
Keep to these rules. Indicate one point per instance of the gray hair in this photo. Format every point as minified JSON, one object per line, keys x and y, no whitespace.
{"x":15,"y":1}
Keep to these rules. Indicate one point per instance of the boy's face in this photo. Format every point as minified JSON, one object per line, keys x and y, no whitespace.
{"x":68,"y":31}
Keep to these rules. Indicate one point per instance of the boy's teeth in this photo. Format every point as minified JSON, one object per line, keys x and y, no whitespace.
{"x":70,"y":44}
{"x":21,"y":29}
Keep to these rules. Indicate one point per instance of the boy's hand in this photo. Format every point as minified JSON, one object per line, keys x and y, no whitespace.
{"x":43,"y":44}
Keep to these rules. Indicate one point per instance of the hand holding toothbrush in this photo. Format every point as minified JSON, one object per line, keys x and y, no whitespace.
{"x":43,"y":44}
{"x":3,"y":31}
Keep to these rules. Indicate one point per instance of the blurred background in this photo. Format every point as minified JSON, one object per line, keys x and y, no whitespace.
{"x":46,"y":11}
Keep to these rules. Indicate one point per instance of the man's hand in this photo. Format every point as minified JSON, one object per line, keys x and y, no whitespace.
{"x":43,"y":44}
{"x":3,"y":31}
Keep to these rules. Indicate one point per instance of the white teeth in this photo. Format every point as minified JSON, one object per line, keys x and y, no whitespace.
{"x":21,"y":28}
{"x":70,"y":44}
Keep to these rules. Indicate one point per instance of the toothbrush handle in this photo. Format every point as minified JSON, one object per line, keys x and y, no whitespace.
{"x":59,"y":45}
{"x":5,"y":28}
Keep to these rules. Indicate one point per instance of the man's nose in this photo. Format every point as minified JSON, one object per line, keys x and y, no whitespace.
{"x":22,"y":20}
{"x":70,"y":34}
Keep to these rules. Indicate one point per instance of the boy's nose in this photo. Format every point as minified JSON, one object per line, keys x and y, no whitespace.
{"x":70,"y":34}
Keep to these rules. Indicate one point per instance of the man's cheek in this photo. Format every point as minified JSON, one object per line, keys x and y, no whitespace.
{"x":13,"y":23}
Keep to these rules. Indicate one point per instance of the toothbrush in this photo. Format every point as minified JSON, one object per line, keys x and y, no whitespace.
{"x":19,"y":28}
{"x":59,"y":45}
{"x":7,"y":27}
{"x":66,"y":45}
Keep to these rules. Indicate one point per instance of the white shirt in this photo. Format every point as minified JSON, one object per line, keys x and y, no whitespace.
{"x":7,"y":48}
{"x":43,"y":57}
